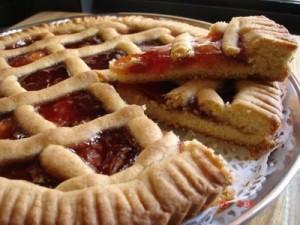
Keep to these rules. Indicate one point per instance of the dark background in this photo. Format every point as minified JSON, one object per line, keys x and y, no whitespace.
{"x":285,"y":12}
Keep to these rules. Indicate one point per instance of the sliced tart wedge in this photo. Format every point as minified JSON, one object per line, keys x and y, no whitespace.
{"x":246,"y":47}
{"x":247,"y":113}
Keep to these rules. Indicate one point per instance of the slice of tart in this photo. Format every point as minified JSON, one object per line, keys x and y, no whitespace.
{"x":246,"y":47}
{"x":246,"y":113}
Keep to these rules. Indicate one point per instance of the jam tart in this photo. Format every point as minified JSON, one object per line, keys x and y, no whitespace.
{"x":72,"y":151}
{"x":247,"y":47}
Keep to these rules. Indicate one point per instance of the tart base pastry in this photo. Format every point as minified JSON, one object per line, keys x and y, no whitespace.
{"x":247,"y":47}
{"x":243,"y":112}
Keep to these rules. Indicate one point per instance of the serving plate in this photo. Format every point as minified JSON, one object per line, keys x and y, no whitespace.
{"x":276,"y":181}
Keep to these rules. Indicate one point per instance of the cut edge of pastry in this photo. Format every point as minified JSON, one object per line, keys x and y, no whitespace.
{"x":255,"y":142}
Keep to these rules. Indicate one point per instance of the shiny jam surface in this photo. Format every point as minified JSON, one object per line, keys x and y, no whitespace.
{"x":44,"y":78}
{"x":9,"y":128}
{"x":159,"y":61}
{"x":101,"y":61}
{"x":30,"y":171}
{"x":72,"y":109}
{"x":23,"y":42}
{"x":109,"y":151}
{"x":94,"y":40}
{"x":26,"y":58}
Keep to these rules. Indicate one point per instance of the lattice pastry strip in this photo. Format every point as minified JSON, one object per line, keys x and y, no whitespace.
{"x":107,"y":31}
{"x":34,"y":123}
{"x":50,"y":42}
{"x":72,"y":58}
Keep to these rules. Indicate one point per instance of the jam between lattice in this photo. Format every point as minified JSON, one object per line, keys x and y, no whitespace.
{"x":23,"y":42}
{"x":26,"y":58}
{"x":9,"y":128}
{"x":72,"y":109}
{"x":101,"y":61}
{"x":109,"y":151}
{"x":29,"y":171}
{"x":44,"y":78}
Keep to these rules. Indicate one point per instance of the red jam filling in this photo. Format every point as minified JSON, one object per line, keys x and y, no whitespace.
{"x":94,"y":40}
{"x":109,"y":151}
{"x":159,"y":61}
{"x":23,"y":42}
{"x":101,"y":61}
{"x":44,"y":78}
{"x":9,"y":128}
{"x":26,"y":58}
{"x":72,"y":109}
{"x":30,"y":171}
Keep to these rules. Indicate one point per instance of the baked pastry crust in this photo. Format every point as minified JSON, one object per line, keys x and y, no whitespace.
{"x":246,"y":47}
{"x":169,"y":181}
{"x":249,"y":115}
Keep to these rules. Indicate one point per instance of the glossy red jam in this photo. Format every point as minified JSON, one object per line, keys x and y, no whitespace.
{"x":72,"y":109}
{"x":30,"y":171}
{"x":23,"y":42}
{"x":94,"y":40}
{"x":101,"y":61}
{"x":9,"y":128}
{"x":109,"y":151}
{"x":159,"y":61}
{"x":44,"y":78}
{"x":26,"y":58}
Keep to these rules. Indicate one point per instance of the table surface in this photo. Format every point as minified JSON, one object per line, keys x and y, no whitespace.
{"x":285,"y":210}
